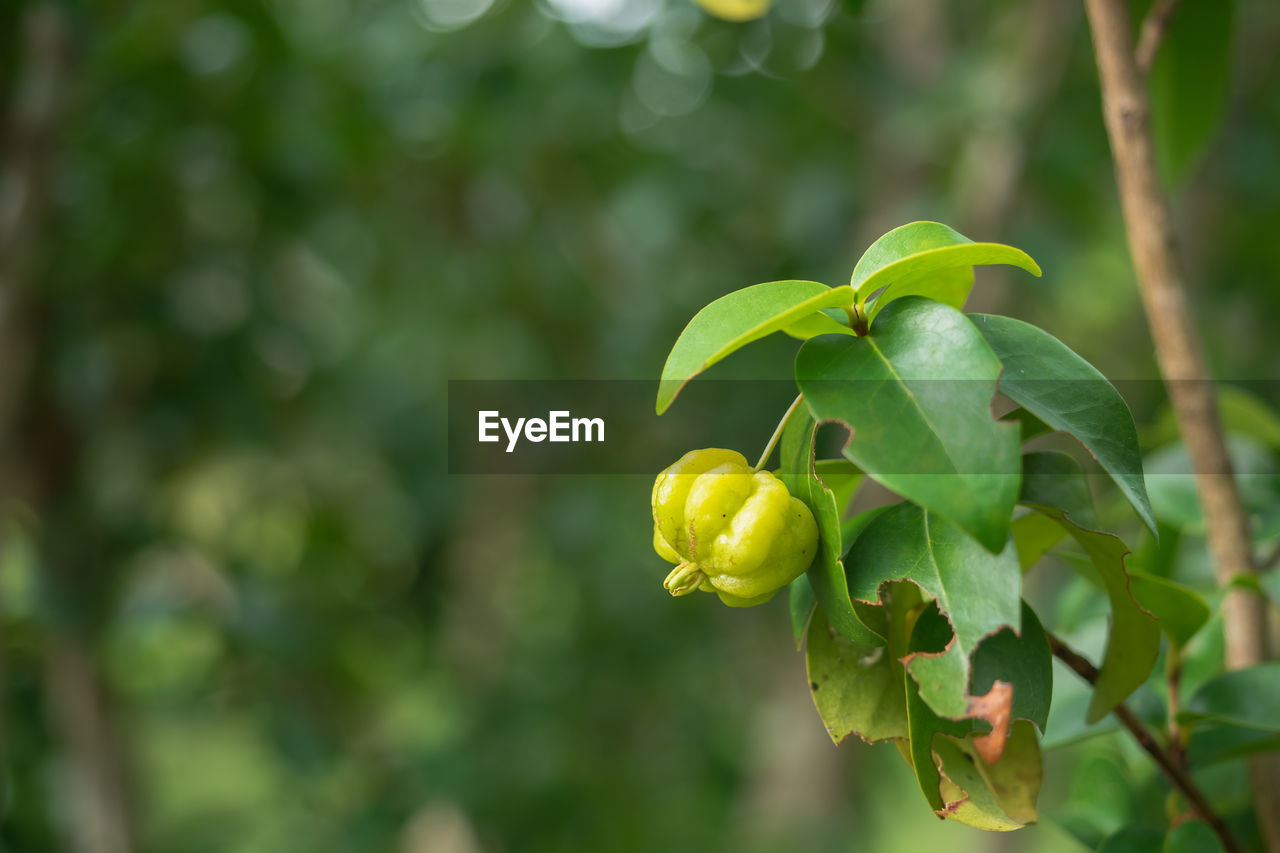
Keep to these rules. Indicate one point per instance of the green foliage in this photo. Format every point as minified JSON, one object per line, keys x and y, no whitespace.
{"x":1190,"y":81}
{"x":1064,"y":391}
{"x":927,"y":259}
{"x":916,"y":393}
{"x":737,"y":319}
{"x":911,"y":616}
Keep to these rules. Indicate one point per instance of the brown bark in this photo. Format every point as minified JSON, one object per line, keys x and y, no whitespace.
{"x":1152,"y":244}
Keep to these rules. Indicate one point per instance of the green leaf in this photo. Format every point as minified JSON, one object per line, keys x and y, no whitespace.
{"x":1133,"y":642}
{"x":1056,"y":479}
{"x":923,"y":724}
{"x":826,"y":574}
{"x":1248,"y":697}
{"x":842,"y":477}
{"x":1179,"y":609}
{"x":958,"y":774}
{"x":977,"y":592}
{"x":1033,"y":535}
{"x":916,"y":394}
{"x":927,"y":259}
{"x":996,"y":797}
{"x":857,"y":689}
{"x":1031,"y":426}
{"x":1044,"y":376}
{"x":812,"y":325}
{"x":1212,"y":744}
{"x":1189,"y":82}
{"x":950,"y":286}
{"x":954,"y":686}
{"x":801,"y":602}
{"x":737,"y":319}
{"x":1192,"y":836}
{"x":851,"y":528}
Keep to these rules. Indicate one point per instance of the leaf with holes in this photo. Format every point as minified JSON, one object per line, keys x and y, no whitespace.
{"x":916,"y":394}
{"x":997,"y":797}
{"x":1009,"y":676}
{"x":977,"y":592}
{"x":857,"y":689}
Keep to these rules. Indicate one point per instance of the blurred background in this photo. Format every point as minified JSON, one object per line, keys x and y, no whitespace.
{"x":243,"y":245}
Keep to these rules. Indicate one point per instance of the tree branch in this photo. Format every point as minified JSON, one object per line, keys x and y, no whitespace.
{"x":1173,"y":770}
{"x":1154,"y":27}
{"x":1149,"y":227}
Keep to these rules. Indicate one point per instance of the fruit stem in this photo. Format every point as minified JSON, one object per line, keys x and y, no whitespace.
{"x":777,"y":433}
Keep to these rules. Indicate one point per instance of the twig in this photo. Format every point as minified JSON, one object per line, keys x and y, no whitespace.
{"x":1173,"y":683}
{"x":1149,"y":227}
{"x":1154,"y":27}
{"x":1173,"y":770}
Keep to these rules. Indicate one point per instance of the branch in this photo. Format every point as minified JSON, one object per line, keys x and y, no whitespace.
{"x":1173,"y":770}
{"x":1154,"y":27}
{"x":1149,"y":227}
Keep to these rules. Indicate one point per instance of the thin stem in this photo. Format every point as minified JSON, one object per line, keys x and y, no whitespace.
{"x":1154,"y":27}
{"x":777,"y":433}
{"x":1173,"y":684}
{"x":1173,"y":770}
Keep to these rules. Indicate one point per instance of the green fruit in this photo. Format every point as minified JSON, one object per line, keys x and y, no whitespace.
{"x":730,"y":529}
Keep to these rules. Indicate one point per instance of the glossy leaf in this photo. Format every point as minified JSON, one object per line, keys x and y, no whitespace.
{"x":950,"y":286}
{"x":928,"y":259}
{"x":1133,"y":642}
{"x":737,"y":319}
{"x":857,"y":689}
{"x":826,"y":574}
{"x":812,"y":325}
{"x":1044,"y":376}
{"x":1248,"y":697}
{"x":916,"y":394}
{"x":1190,"y":82}
{"x":977,"y":592}
{"x":1179,"y":609}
